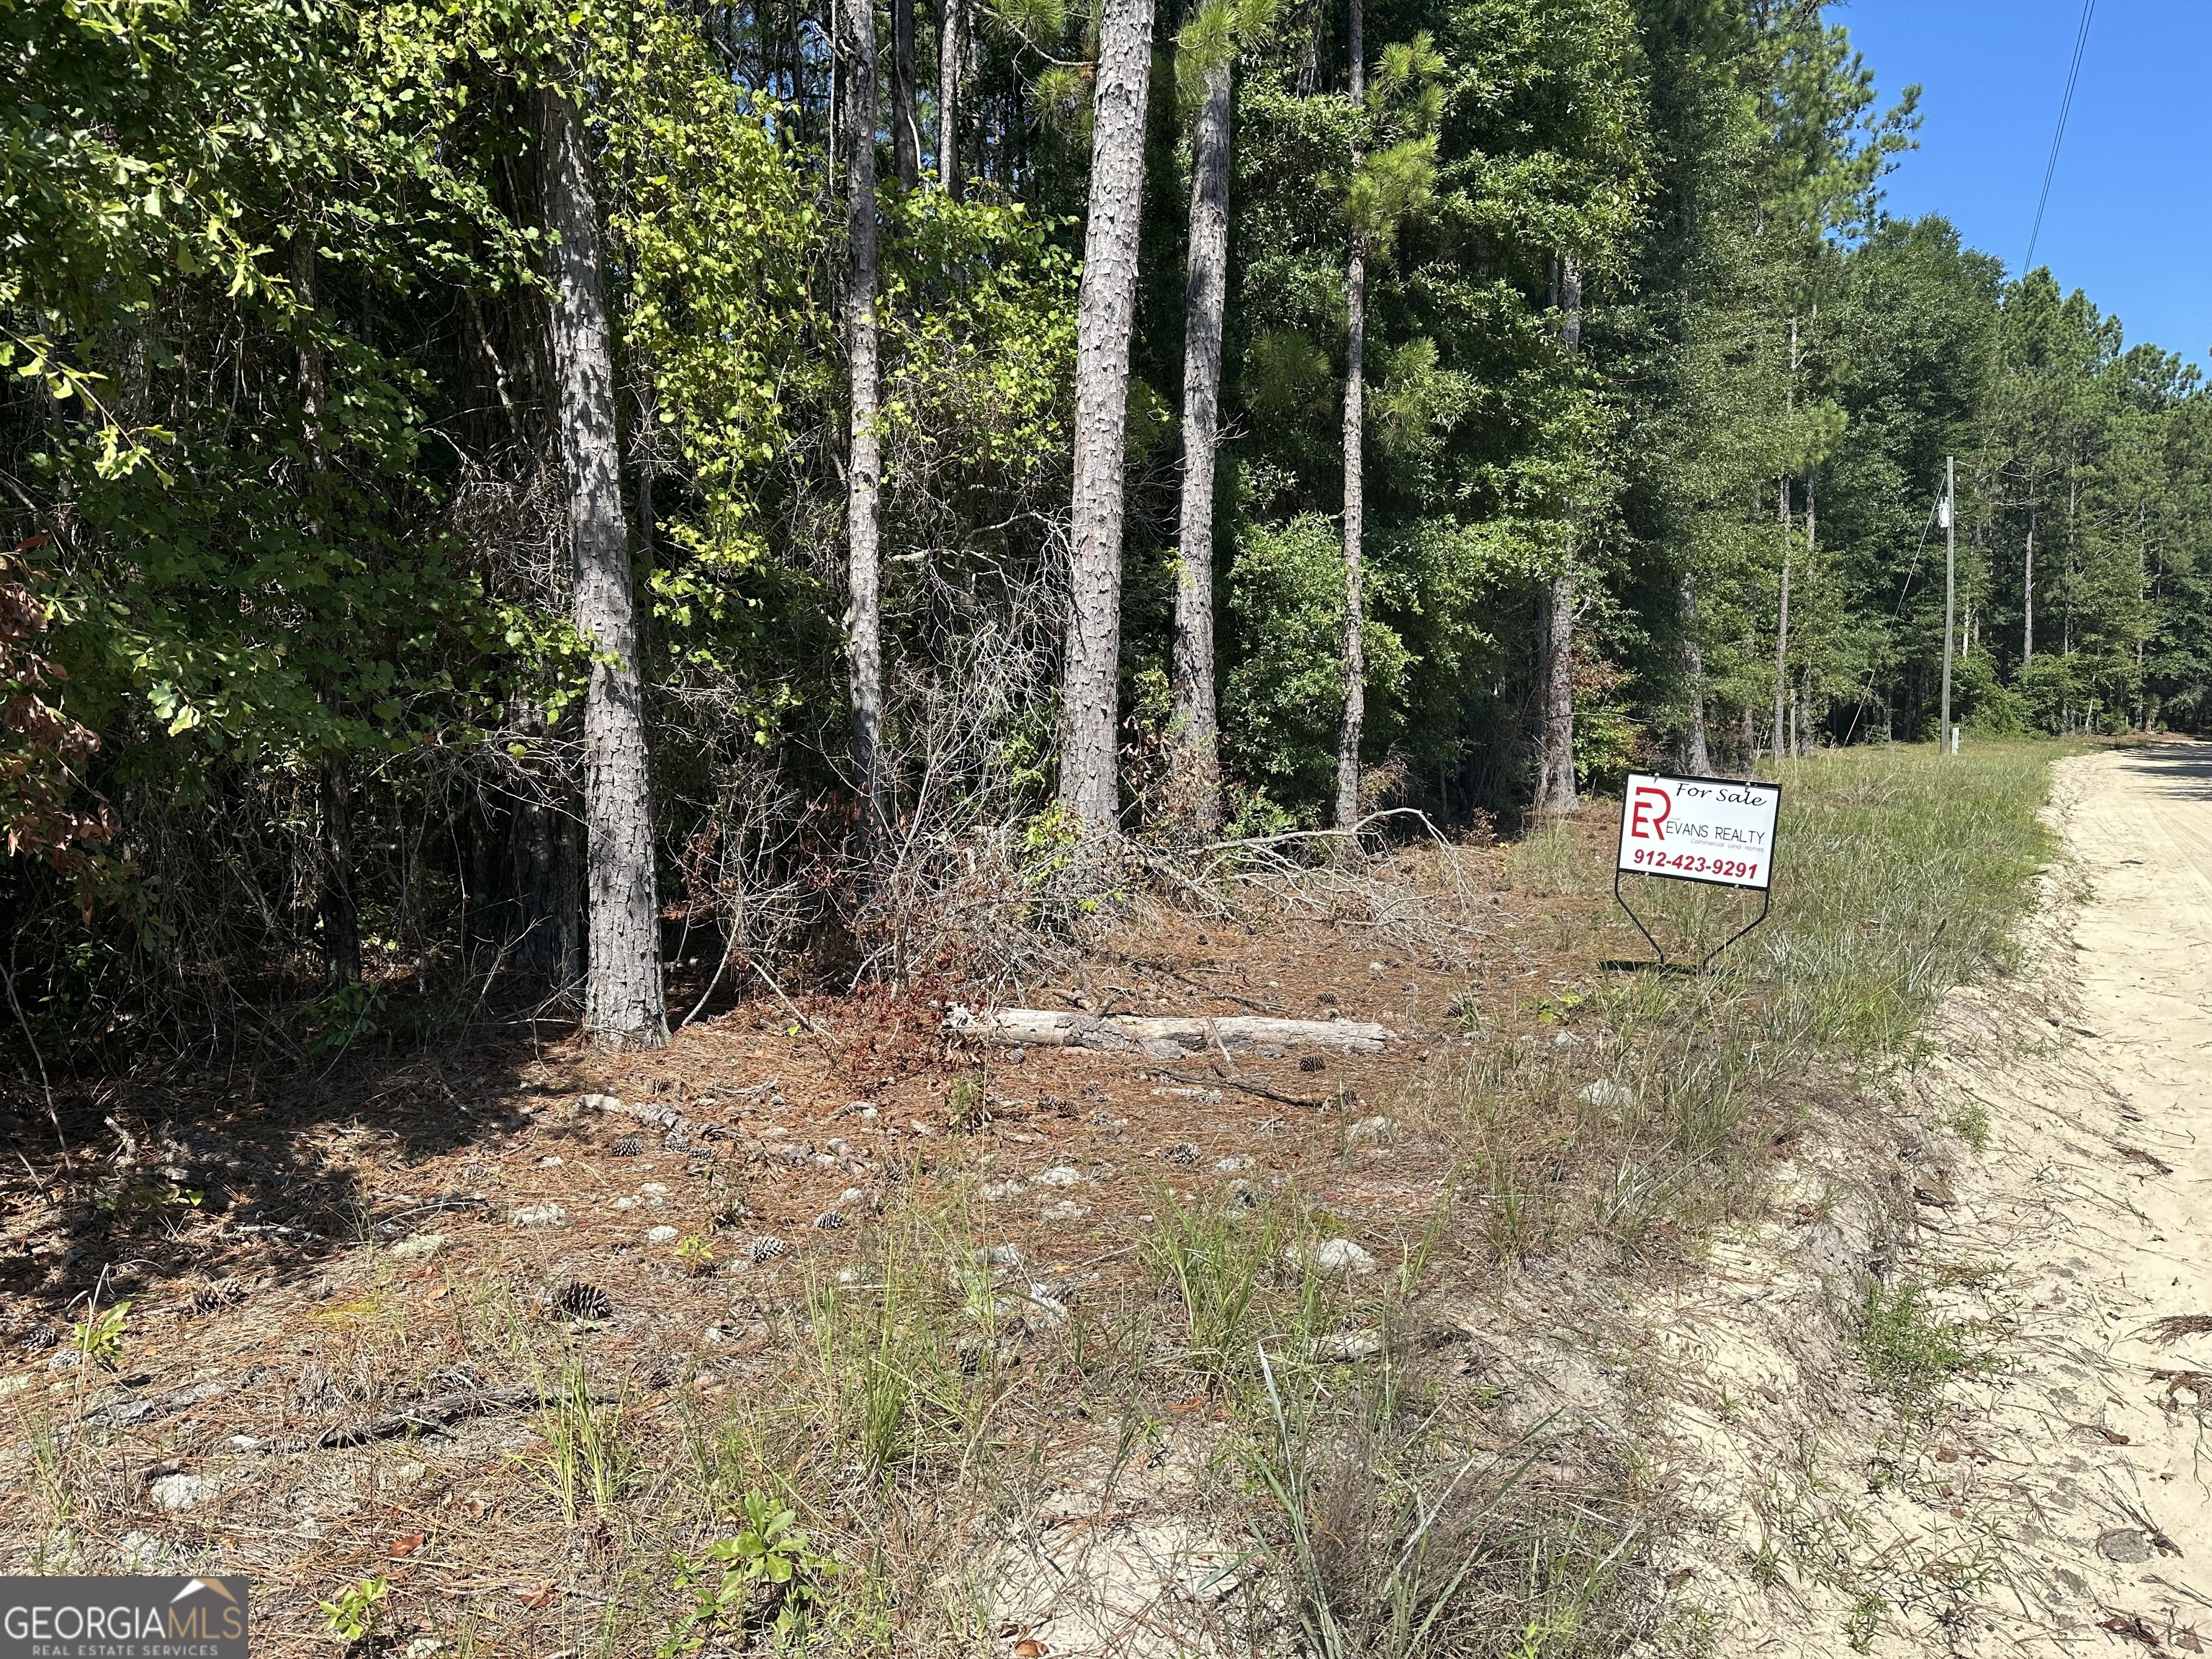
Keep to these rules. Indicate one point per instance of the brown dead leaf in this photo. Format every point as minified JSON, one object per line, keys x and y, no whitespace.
{"x":540,"y":1596}
{"x":1029,"y":1648}
{"x":406,"y":1546}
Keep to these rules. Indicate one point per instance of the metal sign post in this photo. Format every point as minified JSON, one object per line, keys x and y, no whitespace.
{"x":1719,"y":831}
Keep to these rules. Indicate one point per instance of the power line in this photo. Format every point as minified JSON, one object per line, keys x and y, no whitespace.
{"x":2066,"y":105}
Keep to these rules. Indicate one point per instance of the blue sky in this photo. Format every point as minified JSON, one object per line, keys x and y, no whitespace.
{"x":2130,"y":213}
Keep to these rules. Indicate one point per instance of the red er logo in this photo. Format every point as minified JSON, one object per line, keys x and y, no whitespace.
{"x":1647,"y":812}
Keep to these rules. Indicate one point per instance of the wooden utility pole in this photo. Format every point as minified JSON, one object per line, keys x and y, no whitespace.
{"x":1950,"y":590}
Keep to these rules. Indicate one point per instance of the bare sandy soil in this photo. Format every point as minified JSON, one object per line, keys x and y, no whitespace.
{"x":2056,"y":1497}
{"x":2096,"y":1199}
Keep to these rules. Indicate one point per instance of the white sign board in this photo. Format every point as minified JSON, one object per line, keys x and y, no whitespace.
{"x":1714,"y":829}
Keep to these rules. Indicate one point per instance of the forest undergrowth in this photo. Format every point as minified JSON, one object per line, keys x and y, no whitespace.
{"x":820,"y":1329}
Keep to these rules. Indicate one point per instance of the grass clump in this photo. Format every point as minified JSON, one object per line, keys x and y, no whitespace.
{"x":1910,"y":1352}
{"x":585,"y":1460}
{"x":907,"y":1349}
{"x":1213,"y":1260}
{"x":1401,"y":1542}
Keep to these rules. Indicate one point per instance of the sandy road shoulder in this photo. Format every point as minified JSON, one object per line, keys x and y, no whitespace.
{"x":2085,"y":1224}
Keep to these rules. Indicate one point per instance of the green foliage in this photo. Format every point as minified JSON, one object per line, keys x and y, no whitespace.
{"x":358,"y":1612}
{"x":769,"y":1576}
{"x":99,"y":1335}
{"x":1910,"y":1352}
{"x":344,"y":1017}
{"x":284,"y":516}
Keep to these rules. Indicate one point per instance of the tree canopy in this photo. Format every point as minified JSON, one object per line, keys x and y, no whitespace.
{"x":290,"y":644}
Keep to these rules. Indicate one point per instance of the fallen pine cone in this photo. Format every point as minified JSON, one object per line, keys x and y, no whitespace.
{"x":766,"y":1248}
{"x":581,"y":1301}
{"x":223,"y":1293}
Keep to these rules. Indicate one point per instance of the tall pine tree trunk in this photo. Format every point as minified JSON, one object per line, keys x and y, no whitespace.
{"x":1555,"y":775}
{"x":1197,"y":720}
{"x":906,"y":127}
{"x":1105,"y":313}
{"x":1802,"y":712}
{"x":1781,"y":624}
{"x":951,"y":53}
{"x":2027,"y":593}
{"x":864,"y":569}
{"x":623,"y":998}
{"x":1353,"y":654}
{"x":1697,"y":756}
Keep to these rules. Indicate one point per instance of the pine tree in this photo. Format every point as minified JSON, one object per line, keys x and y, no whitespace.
{"x":623,"y":1004}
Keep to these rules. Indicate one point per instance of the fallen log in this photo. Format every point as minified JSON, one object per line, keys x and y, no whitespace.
{"x":1161,"y":1037}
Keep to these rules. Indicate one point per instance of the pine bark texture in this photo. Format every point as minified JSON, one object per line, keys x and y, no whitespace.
{"x":623,"y":996}
{"x":1353,"y":654}
{"x":951,"y":53}
{"x":1105,"y":314}
{"x":1197,"y":714}
{"x":1555,"y":772}
{"x":863,"y":471}
{"x":906,"y":126}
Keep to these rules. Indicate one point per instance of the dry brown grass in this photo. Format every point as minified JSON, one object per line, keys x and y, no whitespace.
{"x":594,"y":1403}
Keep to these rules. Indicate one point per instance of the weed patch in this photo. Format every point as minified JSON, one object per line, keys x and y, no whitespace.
{"x":1911,"y":1351}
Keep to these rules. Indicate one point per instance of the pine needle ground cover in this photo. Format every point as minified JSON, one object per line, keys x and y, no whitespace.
{"x":858,"y":1340}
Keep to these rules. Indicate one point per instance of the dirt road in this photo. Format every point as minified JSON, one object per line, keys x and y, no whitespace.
{"x":2091,"y":1216}
{"x":2052,"y":1495}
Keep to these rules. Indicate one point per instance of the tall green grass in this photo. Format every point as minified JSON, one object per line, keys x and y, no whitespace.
{"x":1900,"y":873}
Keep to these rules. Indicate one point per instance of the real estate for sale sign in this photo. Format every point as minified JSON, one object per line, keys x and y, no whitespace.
{"x":1712,"y":829}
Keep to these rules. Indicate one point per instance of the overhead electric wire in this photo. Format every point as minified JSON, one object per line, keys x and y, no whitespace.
{"x":2058,"y":137}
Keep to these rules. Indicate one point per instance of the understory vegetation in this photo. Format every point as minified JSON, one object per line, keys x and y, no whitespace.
{"x":600,"y":513}
{"x":588,"y":592}
{"x":1240,"y":1398}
